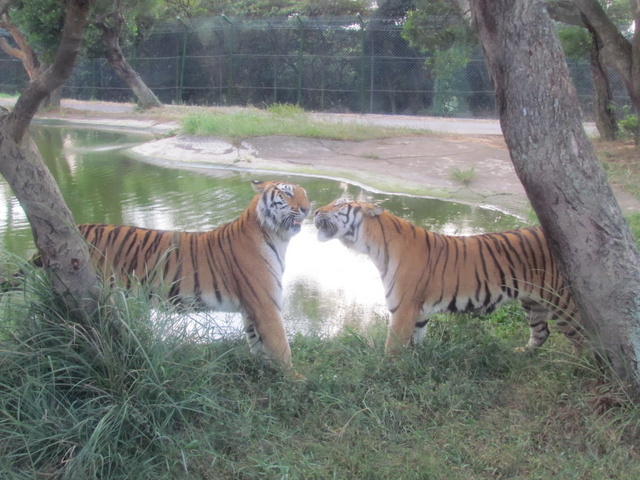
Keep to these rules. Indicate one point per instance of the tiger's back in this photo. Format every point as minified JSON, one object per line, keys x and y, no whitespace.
{"x":480,"y":272}
{"x":187,"y":268}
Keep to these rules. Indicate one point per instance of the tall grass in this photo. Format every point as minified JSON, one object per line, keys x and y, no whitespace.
{"x":123,"y":398}
{"x":138,"y":395}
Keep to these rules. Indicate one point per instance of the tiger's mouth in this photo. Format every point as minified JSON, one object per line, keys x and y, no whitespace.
{"x":293,"y":223}
{"x":296,"y":225}
{"x":326,"y":229}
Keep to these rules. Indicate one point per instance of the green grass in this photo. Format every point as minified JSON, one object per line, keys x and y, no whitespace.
{"x":138,"y":396}
{"x":281,"y":120}
{"x":463,"y":176}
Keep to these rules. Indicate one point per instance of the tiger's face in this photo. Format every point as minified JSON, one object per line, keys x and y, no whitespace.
{"x":342,"y":219}
{"x":282,"y":207}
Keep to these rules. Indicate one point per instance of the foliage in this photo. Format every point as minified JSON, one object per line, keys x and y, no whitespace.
{"x":575,"y":41}
{"x":41,"y":21}
{"x":437,"y":30}
{"x":264,"y":8}
{"x":628,"y":125}
{"x":139,"y":395}
{"x":435,"y":26}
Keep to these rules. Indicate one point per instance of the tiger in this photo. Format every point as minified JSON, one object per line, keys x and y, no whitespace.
{"x":425,"y":272}
{"x":235,"y":267}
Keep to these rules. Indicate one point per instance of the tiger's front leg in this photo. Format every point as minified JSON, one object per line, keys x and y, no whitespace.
{"x":420,"y":330}
{"x":404,"y":326}
{"x":268,"y":337}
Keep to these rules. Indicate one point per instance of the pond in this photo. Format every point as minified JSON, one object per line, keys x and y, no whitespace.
{"x":325,"y":285}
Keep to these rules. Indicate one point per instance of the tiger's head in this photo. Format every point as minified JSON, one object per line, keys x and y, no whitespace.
{"x":342,"y":219}
{"x":281,"y":207}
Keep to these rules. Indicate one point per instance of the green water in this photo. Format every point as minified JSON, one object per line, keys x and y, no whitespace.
{"x":325,"y":285}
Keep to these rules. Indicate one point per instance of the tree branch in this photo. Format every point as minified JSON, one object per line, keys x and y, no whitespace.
{"x":617,"y":49}
{"x":52,"y":78}
{"x":564,"y":11}
{"x":23,"y":52}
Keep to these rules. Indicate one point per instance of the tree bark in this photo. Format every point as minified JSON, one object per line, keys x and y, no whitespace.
{"x":61,"y":246}
{"x":567,"y":12}
{"x":111,"y":26}
{"x":541,"y":122}
{"x":605,"y":115}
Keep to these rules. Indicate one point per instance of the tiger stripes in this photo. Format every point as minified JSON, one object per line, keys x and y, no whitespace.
{"x":425,"y":272}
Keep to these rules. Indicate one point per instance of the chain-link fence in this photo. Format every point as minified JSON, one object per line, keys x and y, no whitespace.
{"x":338,"y":65}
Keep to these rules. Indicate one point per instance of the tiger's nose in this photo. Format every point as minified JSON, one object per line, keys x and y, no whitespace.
{"x":304,"y":210}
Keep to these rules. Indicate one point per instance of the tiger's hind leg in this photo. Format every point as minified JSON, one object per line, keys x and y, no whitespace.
{"x":538,"y":317}
{"x":253,"y":339}
{"x":567,"y":321}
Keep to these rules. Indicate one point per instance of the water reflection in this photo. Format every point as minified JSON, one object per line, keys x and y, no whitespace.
{"x":325,"y":285}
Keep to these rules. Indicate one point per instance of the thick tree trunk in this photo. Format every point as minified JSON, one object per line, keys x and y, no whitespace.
{"x":63,"y":250}
{"x":111,"y":29}
{"x":557,"y":165}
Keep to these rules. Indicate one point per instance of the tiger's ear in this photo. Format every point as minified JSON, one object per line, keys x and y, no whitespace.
{"x":258,"y":186}
{"x":372,"y":210}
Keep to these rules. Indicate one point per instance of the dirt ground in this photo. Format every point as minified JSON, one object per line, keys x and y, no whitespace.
{"x":423,"y":164}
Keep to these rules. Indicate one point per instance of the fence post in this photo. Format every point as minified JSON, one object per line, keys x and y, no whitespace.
{"x":363,"y":52}
{"x":182,"y":62}
{"x":230,"y":53}
{"x":371,"y":75}
{"x":300,"y":61}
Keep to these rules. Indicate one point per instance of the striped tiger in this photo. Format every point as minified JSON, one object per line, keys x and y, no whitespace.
{"x":425,"y":272}
{"x":235,"y":267}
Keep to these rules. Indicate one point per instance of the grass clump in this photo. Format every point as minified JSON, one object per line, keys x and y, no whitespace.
{"x":280,"y":120}
{"x":138,"y":395}
{"x":463,"y":176}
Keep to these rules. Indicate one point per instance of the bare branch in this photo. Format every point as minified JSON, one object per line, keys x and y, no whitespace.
{"x":23,"y":52}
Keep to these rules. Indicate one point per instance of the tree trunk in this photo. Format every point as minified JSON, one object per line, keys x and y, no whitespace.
{"x":111,"y":29}
{"x":61,"y":246}
{"x":541,"y":121}
{"x":602,"y":97}
{"x":622,"y":54}
{"x":567,"y":12}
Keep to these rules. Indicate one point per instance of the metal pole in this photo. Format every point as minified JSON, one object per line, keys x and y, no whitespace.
{"x":300,"y":61}
{"x":363,"y":46}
